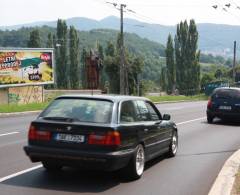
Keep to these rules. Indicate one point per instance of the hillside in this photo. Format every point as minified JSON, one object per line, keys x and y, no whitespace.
{"x":152,"y":52}
{"x":214,"y":38}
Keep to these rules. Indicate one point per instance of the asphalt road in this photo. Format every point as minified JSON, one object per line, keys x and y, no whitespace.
{"x":203,"y":149}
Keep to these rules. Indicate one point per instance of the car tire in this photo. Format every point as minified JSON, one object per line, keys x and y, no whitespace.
{"x":135,"y":167}
{"x":51,"y":167}
{"x":210,"y":119}
{"x":173,"y":147}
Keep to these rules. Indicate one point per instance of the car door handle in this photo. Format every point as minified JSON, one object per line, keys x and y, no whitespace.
{"x":145,"y":130}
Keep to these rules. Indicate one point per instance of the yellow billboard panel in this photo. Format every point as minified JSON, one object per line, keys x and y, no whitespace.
{"x":19,"y":67}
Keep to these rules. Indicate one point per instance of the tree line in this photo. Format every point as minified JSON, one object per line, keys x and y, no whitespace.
{"x":182,"y":60}
{"x":70,"y":62}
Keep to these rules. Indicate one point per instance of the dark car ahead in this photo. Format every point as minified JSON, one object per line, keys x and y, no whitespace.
{"x":101,"y":132}
{"x":224,"y":103}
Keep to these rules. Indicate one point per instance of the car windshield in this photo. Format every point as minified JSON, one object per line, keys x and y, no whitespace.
{"x":84,"y":110}
{"x":227,"y":93}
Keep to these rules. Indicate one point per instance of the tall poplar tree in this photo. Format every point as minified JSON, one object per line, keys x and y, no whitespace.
{"x":187,"y":58}
{"x":171,"y":69}
{"x":62,"y":70}
{"x":74,"y":53}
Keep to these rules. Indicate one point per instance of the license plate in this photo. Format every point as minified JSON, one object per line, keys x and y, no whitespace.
{"x":69,"y":138}
{"x":225,"y":108}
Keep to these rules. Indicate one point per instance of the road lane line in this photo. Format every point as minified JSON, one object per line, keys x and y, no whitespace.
{"x":19,"y":173}
{"x":15,"y":132}
{"x":197,"y":119}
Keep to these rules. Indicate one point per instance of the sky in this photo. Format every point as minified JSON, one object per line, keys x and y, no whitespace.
{"x":168,"y":12}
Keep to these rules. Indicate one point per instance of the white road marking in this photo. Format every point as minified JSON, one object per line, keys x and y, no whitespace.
{"x":173,"y":108}
{"x":197,"y":119}
{"x":39,"y":166}
{"x":15,"y":132}
{"x":19,"y":173}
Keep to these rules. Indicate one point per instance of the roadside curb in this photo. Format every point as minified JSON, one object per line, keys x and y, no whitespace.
{"x":2,"y":115}
{"x":224,"y":182}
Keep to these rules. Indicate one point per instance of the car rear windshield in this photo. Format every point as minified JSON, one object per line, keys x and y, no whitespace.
{"x":83,"y":110}
{"x":227,"y":93}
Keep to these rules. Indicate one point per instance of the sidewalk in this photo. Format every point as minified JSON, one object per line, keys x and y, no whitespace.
{"x":224,"y":182}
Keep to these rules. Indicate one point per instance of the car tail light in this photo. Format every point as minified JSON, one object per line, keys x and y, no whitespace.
{"x":110,"y":139}
{"x":209,"y":105}
{"x":34,"y":134}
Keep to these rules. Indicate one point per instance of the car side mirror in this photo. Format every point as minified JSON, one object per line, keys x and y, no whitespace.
{"x":166,"y":117}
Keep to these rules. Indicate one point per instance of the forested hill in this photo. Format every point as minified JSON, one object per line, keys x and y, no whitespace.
{"x":151,"y":52}
{"x":214,"y":38}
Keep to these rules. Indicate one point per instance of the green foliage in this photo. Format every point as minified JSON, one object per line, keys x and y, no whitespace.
{"x":146,"y":86}
{"x":74,"y":54}
{"x":187,"y":58}
{"x":171,"y":68}
{"x":163,"y":79}
{"x":62,"y":70}
{"x":111,"y":67}
{"x":206,"y":78}
{"x":34,"y":40}
{"x":50,"y":41}
{"x":83,"y":68}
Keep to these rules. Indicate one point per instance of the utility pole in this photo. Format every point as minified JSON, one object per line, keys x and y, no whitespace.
{"x":122,"y":67}
{"x":234,"y":62}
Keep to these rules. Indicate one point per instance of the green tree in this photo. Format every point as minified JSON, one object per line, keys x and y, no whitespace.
{"x":83,"y":68}
{"x":135,"y":69}
{"x":163,"y":79}
{"x":50,"y":41}
{"x":62,"y":70}
{"x":206,"y":78}
{"x":171,"y":69}
{"x":34,"y":39}
{"x":74,"y":53}
{"x":218,"y":74}
{"x":111,"y":67}
{"x":187,"y":58}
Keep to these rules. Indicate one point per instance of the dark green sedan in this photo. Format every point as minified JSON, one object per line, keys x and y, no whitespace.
{"x":101,"y":133}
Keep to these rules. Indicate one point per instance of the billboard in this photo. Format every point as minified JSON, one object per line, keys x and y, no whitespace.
{"x":20,"y":67}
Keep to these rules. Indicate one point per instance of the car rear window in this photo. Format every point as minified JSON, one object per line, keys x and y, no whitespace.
{"x":84,"y":110}
{"x":227,"y":93}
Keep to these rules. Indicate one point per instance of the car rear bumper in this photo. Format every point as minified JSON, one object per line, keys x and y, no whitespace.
{"x":228,"y":115}
{"x":91,"y":160}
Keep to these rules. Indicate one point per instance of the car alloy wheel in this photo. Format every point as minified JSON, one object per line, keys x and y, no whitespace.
{"x":173,"y":147}
{"x":140,"y":160}
{"x":174,"y":143}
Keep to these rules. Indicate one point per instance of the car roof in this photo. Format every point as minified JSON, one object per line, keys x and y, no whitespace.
{"x":113,"y":98}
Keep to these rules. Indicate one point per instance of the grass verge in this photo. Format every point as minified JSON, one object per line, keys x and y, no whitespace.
{"x":22,"y":107}
{"x":40,"y":106}
{"x":177,"y":98}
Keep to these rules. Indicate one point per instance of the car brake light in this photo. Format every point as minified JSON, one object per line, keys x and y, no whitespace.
{"x":209,"y":105}
{"x":110,"y":139}
{"x":34,"y":134}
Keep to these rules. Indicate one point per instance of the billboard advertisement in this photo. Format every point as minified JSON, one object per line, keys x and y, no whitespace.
{"x":21,"y":67}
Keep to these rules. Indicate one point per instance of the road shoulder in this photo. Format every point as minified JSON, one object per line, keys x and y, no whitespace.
{"x":2,"y":115}
{"x":224,"y":182}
